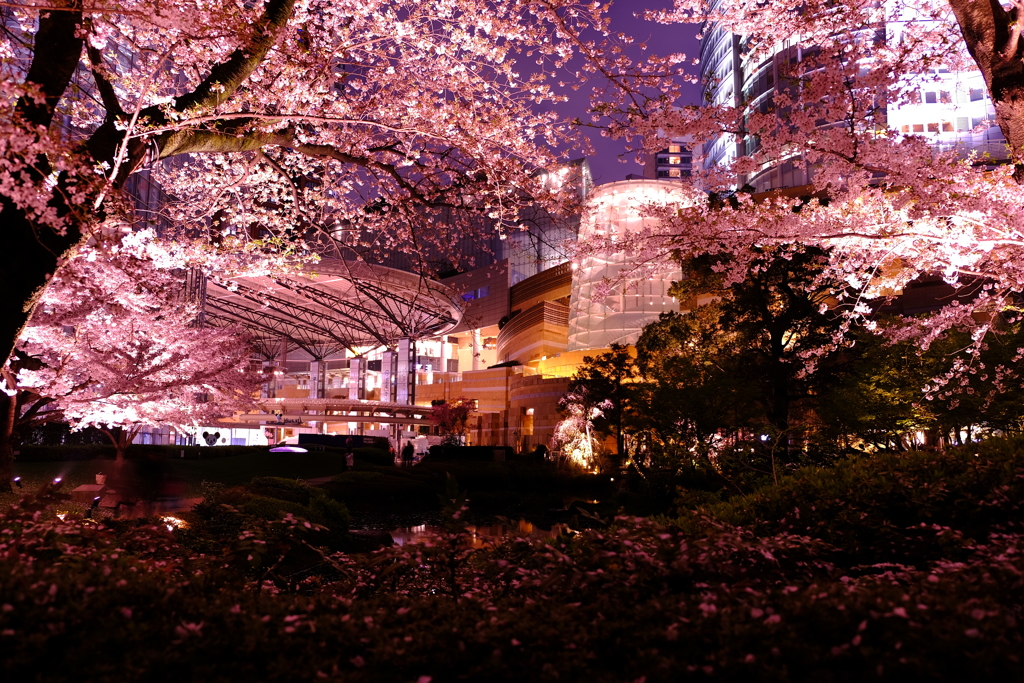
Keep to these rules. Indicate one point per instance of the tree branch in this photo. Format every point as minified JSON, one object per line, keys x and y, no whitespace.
{"x":107,"y":94}
{"x":225,"y":78}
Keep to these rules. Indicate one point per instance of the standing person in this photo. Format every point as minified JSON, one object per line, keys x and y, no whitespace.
{"x":407,"y":453}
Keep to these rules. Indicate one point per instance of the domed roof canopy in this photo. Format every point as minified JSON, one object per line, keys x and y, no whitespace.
{"x":333,"y":305}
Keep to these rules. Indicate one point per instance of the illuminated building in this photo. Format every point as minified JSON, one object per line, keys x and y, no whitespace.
{"x":601,"y":316}
{"x":674,"y":162}
{"x":358,"y":349}
{"x":562,"y":314}
{"x":951,"y":110}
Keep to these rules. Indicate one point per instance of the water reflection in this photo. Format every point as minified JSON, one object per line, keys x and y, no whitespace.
{"x":479,"y":536}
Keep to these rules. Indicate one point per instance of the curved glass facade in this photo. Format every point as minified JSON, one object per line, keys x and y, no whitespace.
{"x":608,"y":306}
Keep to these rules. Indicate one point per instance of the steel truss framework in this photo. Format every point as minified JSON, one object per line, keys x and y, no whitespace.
{"x":332,"y":306}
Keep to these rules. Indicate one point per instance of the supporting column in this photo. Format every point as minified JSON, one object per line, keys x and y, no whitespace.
{"x":356,"y":378}
{"x":445,"y":354}
{"x":477,"y":344}
{"x":387,"y":376}
{"x":268,"y":388}
{"x":282,"y":365}
{"x":406,"y":380}
{"x":318,"y":379}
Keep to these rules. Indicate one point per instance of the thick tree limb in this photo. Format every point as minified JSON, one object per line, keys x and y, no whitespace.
{"x":55,"y":56}
{"x":214,"y":142}
{"x":227,"y":77}
{"x":222,"y":82}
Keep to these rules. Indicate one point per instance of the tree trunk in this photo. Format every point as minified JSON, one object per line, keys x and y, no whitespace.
{"x":37,"y":248}
{"x":38,"y":252}
{"x":7,"y":410}
{"x":121,"y":438}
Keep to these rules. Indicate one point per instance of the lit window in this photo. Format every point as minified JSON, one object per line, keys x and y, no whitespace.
{"x":905,"y":128}
{"x":918,"y":127}
{"x":674,"y":173}
{"x":675,"y":149}
{"x":933,"y":128}
{"x":476,"y":293}
{"x":674,"y":161}
{"x":947,"y":127}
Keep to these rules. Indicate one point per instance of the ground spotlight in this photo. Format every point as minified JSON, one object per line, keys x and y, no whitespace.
{"x":95,"y":504}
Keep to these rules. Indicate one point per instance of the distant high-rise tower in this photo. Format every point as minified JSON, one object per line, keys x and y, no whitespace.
{"x":952,"y":110}
{"x":674,"y":162}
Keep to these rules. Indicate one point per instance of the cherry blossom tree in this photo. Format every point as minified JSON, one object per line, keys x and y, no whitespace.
{"x":111,"y":346}
{"x":21,"y":409}
{"x":366,"y":120}
{"x":574,"y":434}
{"x":451,"y":418}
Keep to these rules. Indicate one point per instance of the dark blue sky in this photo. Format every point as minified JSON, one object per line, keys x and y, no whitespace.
{"x":660,"y":39}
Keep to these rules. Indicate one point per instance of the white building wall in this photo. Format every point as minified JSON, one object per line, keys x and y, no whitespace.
{"x":609,"y":304}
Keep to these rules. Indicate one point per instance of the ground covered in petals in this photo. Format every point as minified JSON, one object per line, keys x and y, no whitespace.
{"x":888,"y":568}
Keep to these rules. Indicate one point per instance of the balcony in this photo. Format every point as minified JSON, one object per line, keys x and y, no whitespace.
{"x":539,"y":331}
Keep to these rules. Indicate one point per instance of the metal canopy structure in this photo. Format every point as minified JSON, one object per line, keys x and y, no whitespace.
{"x":332,"y":306}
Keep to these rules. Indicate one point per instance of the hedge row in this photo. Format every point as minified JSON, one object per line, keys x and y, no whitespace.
{"x":370,"y":455}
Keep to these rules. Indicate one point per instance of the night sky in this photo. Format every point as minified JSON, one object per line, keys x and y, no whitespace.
{"x":660,"y":39}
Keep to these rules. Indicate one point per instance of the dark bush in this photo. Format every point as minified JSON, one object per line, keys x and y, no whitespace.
{"x":482,"y":453}
{"x":886,"y":507}
{"x":631,"y":601}
{"x":374,"y":456}
{"x":281,"y":488}
{"x":135,"y":451}
{"x":224,"y":513}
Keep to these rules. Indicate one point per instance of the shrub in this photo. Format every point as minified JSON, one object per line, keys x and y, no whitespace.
{"x":225,"y":513}
{"x":768,"y":595}
{"x":93,"y":451}
{"x":374,"y":456}
{"x":281,"y":488}
{"x":631,"y":600}
{"x":885,"y":508}
{"x":354,"y":477}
